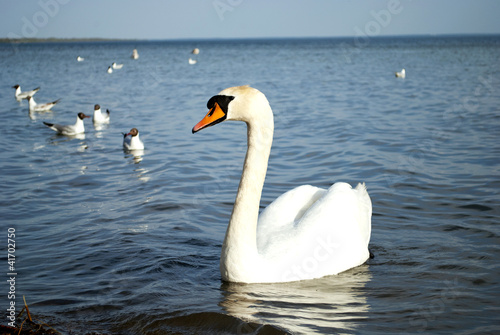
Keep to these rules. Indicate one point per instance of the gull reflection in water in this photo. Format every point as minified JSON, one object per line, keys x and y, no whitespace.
{"x":332,"y":304}
{"x":136,"y":154}
{"x":57,"y":139}
{"x":99,"y":127}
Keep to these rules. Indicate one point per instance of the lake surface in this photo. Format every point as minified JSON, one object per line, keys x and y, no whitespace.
{"x":114,"y":243}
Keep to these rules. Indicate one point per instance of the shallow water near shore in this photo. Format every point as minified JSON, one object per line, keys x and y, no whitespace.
{"x":117,"y":243}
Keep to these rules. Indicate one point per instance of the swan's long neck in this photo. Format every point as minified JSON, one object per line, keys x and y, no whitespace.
{"x":239,"y":252}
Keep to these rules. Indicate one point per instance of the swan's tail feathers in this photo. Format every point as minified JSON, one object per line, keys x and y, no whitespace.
{"x":365,"y":211}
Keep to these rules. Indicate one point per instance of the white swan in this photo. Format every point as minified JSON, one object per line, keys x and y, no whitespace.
{"x":305,"y":233}
{"x":401,"y":74}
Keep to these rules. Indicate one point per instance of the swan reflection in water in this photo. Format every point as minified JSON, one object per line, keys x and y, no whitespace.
{"x":326,"y":303}
{"x":331,"y":304}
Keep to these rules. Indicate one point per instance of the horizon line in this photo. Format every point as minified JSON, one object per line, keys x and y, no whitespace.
{"x":107,"y":39}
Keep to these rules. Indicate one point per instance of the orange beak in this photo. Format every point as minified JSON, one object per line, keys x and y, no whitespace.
{"x":214,"y":116}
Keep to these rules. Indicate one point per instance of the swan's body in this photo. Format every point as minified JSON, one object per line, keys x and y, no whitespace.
{"x":117,"y":66}
{"x":132,"y":142}
{"x":72,"y":129}
{"x":401,"y":74}
{"x":34,"y":107}
{"x":100,"y":117}
{"x":305,"y":233}
{"x":24,"y":95}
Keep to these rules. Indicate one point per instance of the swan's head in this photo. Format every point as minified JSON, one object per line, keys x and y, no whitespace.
{"x":240,"y":103}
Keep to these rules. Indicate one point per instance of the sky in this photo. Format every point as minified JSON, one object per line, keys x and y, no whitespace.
{"x":201,"y":19}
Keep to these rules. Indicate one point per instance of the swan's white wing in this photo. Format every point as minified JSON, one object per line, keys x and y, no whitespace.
{"x":281,"y":216}
{"x":320,"y":232}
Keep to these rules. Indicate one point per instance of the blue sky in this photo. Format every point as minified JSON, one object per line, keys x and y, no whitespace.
{"x":186,"y":19}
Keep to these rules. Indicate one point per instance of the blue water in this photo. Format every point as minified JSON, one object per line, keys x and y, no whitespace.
{"x":115,"y":243}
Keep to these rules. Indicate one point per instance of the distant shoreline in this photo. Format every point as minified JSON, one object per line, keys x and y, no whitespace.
{"x":98,"y":39}
{"x":59,"y":40}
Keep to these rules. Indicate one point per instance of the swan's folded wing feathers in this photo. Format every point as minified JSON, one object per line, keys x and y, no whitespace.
{"x":278,"y":220}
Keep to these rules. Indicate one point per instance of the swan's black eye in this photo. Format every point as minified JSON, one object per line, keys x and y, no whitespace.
{"x":222,"y":100}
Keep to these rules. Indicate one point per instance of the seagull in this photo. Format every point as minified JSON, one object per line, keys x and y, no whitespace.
{"x":195,"y":51}
{"x":24,"y":95}
{"x":110,"y":69}
{"x":80,"y":59}
{"x":192,"y":61}
{"x":401,"y":74}
{"x":133,"y":142}
{"x":135,"y":54}
{"x":100,"y":117}
{"x":117,"y":66}
{"x":34,"y":107}
{"x":72,"y":129}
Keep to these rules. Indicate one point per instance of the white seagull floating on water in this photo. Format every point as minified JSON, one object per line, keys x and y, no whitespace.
{"x":133,"y":142}
{"x":100,"y":117}
{"x":34,"y":107}
{"x":73,"y":129}
{"x":110,"y":69}
{"x":135,"y":54}
{"x":80,"y":59}
{"x":401,"y":74}
{"x":116,"y":66}
{"x":192,"y":61}
{"x":24,"y":95}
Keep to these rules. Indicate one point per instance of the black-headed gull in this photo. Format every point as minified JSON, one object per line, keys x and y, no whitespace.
{"x":72,"y":129}
{"x":80,"y":59}
{"x":116,"y":66}
{"x":192,"y":61}
{"x":401,"y":74}
{"x":133,"y":142}
{"x":100,"y":117}
{"x":195,"y":51}
{"x":135,"y":54}
{"x":110,"y":69}
{"x":34,"y":107}
{"x":24,"y":95}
